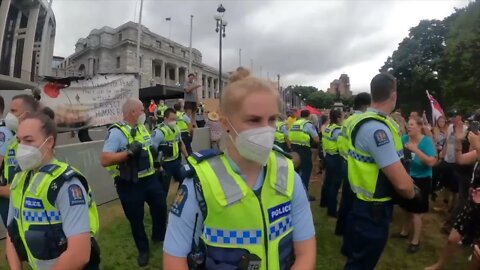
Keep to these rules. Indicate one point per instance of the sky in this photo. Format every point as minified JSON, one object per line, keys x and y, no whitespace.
{"x":305,"y":42}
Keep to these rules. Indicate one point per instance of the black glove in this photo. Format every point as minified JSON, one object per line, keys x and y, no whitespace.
{"x":134,"y":149}
{"x":410,"y":204}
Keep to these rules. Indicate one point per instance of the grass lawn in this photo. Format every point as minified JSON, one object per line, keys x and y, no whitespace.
{"x":118,"y":249}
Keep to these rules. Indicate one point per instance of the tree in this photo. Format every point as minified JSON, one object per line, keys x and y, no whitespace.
{"x":462,"y":59}
{"x":321,"y":100}
{"x":417,"y":63}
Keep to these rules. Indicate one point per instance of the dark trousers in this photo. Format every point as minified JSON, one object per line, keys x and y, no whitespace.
{"x":133,"y":197}
{"x":463,"y":185}
{"x":306,"y":165}
{"x":332,"y":183}
{"x":172,"y":169}
{"x":345,"y":202}
{"x":4,"y":210}
{"x":187,"y":140}
{"x":200,"y":123}
{"x":367,"y":233}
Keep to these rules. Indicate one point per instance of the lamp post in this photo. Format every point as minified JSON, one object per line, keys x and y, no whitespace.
{"x":221,"y":24}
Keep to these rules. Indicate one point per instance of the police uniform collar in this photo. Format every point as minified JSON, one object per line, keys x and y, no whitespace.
{"x":376,"y":111}
{"x":49,"y":167}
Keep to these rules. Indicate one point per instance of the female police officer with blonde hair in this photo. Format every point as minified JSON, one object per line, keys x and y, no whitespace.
{"x":245,"y":208}
{"x":52,"y":217}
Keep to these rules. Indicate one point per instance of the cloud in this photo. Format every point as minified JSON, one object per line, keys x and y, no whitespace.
{"x":307,"y":42}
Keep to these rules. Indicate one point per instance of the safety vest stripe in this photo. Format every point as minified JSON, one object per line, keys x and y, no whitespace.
{"x":282,"y":174}
{"x":36,"y":182}
{"x":280,"y":228}
{"x":361,"y":157}
{"x":233,"y":237}
{"x":300,"y":143}
{"x":360,"y":190}
{"x":41,"y":216}
{"x":233,"y":192}
{"x":16,"y":213}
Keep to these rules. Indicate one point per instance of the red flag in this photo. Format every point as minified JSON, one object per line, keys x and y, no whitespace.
{"x":437,"y":111}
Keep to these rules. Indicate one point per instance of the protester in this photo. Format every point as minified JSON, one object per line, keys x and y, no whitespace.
{"x":190,"y":97}
{"x":466,"y":224}
{"x":235,"y":236}
{"x":421,"y":155}
{"x":215,"y":129}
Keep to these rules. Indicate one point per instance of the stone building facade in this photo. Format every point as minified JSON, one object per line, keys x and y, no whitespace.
{"x":340,"y":86}
{"x":27,"y":35}
{"x":163,"y":62}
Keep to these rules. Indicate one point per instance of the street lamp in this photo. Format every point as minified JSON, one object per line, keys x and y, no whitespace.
{"x":221,"y":24}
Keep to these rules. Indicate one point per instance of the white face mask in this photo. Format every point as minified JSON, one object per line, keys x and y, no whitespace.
{"x":255,"y":144}
{"x":11,"y":121}
{"x":172,"y":124}
{"x":141,"y":119}
{"x":29,"y":157}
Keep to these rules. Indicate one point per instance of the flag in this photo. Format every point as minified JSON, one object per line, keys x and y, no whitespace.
{"x":436,"y":109}
{"x":168,"y":19}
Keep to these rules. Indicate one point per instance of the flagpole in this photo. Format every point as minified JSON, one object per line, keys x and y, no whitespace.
{"x":190,"y":48}
{"x":139,"y":34}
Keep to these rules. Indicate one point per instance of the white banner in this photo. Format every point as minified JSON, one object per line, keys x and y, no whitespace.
{"x":92,"y":102}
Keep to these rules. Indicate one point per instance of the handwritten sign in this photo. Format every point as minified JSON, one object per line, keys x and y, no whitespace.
{"x":93,"y":102}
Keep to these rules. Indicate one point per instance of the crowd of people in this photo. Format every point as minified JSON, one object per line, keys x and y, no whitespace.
{"x":244,"y":203}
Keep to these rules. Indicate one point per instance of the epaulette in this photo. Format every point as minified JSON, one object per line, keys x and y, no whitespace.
{"x":278,"y":149}
{"x":50,"y":168}
{"x":116,"y":125}
{"x":205,"y":154}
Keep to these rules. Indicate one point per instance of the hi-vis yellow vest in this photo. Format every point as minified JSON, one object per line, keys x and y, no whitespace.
{"x":161,"y":110}
{"x":10,"y":162}
{"x":279,"y":136}
{"x":238,"y":220}
{"x":297,"y":134}
{"x":141,"y":135}
{"x":342,"y":140}
{"x":366,"y":179}
{"x":181,"y":123}
{"x":171,"y":147}
{"x":329,"y":144}
{"x":35,"y":211}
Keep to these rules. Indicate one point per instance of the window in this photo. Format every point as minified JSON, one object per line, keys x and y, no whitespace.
{"x":141,"y":60}
{"x":172,"y":48}
{"x":120,"y":37}
{"x":159,"y":44}
{"x":118,"y":61}
{"x":184,"y":54}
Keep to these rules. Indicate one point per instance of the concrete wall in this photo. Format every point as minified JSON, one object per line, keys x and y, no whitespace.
{"x":86,"y":158}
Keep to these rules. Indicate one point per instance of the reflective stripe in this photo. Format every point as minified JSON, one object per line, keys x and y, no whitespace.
{"x":36,"y":182}
{"x":41,"y":216}
{"x":239,"y":237}
{"x":300,"y":143}
{"x":16,"y":213}
{"x":361,"y":157}
{"x":360,"y":190}
{"x":232,"y":191}
{"x":280,"y":228}
{"x":282,"y":174}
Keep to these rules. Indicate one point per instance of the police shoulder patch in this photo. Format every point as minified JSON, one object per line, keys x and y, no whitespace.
{"x":179,"y":203}
{"x":75,"y":195}
{"x":380,"y":137}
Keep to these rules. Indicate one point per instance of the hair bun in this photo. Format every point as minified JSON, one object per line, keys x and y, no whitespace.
{"x":240,"y":74}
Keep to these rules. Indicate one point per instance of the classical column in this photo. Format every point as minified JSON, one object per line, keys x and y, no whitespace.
{"x":163,"y":74}
{"x":4,"y":7}
{"x":29,"y":40}
{"x":177,"y":76}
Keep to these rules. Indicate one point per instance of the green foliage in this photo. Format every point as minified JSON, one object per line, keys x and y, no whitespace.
{"x":314,"y":97}
{"x":442,"y":57}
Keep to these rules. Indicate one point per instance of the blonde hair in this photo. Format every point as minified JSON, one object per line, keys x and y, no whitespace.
{"x":242,"y":84}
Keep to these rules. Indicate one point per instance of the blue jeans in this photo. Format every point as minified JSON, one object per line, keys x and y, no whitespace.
{"x":367,"y":233}
{"x":306,"y":165}
{"x":133,"y":197}
{"x":332,"y":183}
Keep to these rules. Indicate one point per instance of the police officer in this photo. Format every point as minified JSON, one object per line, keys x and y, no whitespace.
{"x":184,"y":124}
{"x":129,"y":158}
{"x":53,"y":218}
{"x":167,"y":139}
{"x":20,"y":107}
{"x":360,"y":104}
{"x":300,"y":134}
{"x":258,"y":213}
{"x":333,"y":179}
{"x":281,"y":134}
{"x":375,"y":172}
{"x":161,"y":111}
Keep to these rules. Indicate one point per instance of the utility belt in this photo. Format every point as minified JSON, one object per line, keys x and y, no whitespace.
{"x":47,"y":242}
{"x":130,"y":169}
{"x":197,"y":260}
{"x":378,"y":211}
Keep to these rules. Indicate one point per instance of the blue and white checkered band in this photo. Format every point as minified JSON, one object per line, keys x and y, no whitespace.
{"x":278,"y":229}
{"x":233,"y":237}
{"x":41,"y":216}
